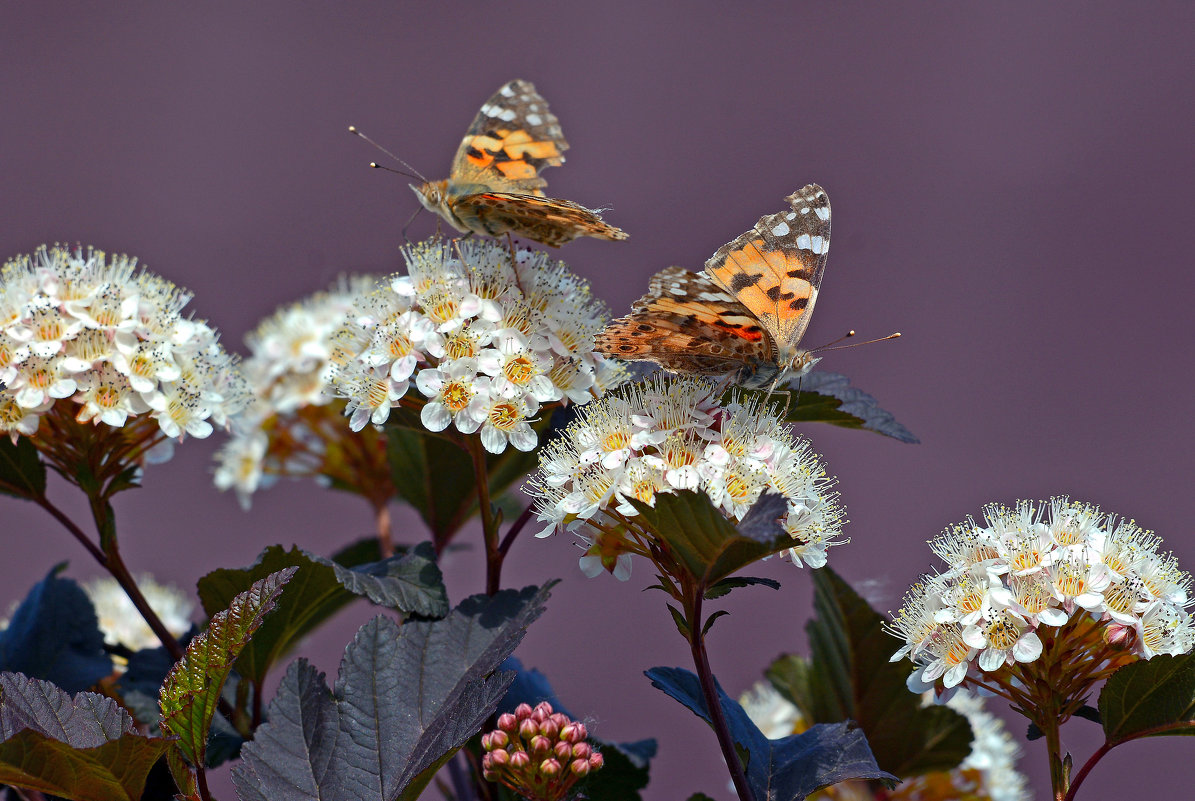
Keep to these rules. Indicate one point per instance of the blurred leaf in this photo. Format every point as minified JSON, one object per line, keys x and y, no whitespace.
{"x":85,"y":747}
{"x":22,"y":473}
{"x":320,"y":587}
{"x":192,"y":688}
{"x":850,"y":678}
{"x":825,"y":397}
{"x":406,"y":699}
{"x":627,"y":765}
{"x":434,"y":474}
{"x":54,"y":635}
{"x":1150,"y":699}
{"x":791,"y":767}
{"x":708,"y":545}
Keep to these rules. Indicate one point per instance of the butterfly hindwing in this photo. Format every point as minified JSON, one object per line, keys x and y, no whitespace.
{"x":687,"y":323}
{"x":513,"y":137}
{"x":775,"y":269}
{"x":548,"y":220}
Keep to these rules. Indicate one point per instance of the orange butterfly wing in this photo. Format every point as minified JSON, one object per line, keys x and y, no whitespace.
{"x":776,"y":268}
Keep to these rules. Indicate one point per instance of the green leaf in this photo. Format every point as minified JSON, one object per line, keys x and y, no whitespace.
{"x":1150,"y":699}
{"x":789,"y":768}
{"x":850,"y":677}
{"x":22,"y":473}
{"x":85,"y":747}
{"x":682,"y":625}
{"x":406,"y":699}
{"x":724,"y":586}
{"x":192,"y":688}
{"x":709,"y":546}
{"x":320,"y":587}
{"x":709,"y":621}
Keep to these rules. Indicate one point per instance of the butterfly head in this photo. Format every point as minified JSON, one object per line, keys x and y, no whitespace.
{"x":432,"y":195}
{"x":796,"y":362}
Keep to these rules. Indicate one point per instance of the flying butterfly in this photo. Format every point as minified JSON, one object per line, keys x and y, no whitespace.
{"x":743,"y":316}
{"x":494,"y":186}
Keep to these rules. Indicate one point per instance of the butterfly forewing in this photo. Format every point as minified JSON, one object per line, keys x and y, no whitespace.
{"x":512,"y":139}
{"x":775,"y":269}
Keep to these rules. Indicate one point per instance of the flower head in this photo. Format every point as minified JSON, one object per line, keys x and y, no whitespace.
{"x":538,"y":753}
{"x":1043,"y":579}
{"x":87,"y":339}
{"x":295,"y":426}
{"x":476,"y":340}
{"x":123,"y":625}
{"x":669,"y":434}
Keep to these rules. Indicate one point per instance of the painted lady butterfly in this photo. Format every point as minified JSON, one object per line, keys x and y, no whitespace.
{"x":743,"y":316}
{"x":494,"y":186}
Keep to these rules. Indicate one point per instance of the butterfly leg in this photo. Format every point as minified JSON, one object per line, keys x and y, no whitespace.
{"x":410,"y":220}
{"x":514,"y":262}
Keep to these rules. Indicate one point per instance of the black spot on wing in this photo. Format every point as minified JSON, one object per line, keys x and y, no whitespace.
{"x":743,"y":281}
{"x":799,"y":303}
{"x":775,"y":294}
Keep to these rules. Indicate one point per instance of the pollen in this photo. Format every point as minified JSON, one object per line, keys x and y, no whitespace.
{"x":505,"y":415}
{"x":457,"y":394}
{"x":520,"y":370}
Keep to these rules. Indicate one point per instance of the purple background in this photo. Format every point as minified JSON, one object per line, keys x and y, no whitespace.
{"x":1011,"y":187}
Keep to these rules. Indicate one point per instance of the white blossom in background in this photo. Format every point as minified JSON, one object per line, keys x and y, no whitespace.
{"x":1056,"y":564}
{"x":988,"y":772}
{"x":283,"y":432}
{"x":674,"y":433}
{"x":122,"y":624}
{"x":110,"y":340}
{"x":477,"y":340}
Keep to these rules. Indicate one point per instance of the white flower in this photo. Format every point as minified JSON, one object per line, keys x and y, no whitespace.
{"x":487,"y":343}
{"x":123,"y":625}
{"x":671,"y":433}
{"x":78,"y":327}
{"x":1062,"y":565}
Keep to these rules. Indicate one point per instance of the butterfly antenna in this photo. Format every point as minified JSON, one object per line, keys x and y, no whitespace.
{"x":895,"y":335}
{"x":414,"y":172}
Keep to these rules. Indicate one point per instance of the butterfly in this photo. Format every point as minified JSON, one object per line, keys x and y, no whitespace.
{"x":743,"y":316}
{"x":494,"y":186}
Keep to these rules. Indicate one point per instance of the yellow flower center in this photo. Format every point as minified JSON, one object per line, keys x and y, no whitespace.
{"x":379,"y":392}
{"x":400,"y":345}
{"x":737,"y":488}
{"x":616,"y":441}
{"x":461,"y":345}
{"x":456,"y":395}
{"x":504,"y":415}
{"x":519,"y":370}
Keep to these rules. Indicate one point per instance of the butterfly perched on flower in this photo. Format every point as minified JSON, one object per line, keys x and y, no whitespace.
{"x":743,"y":316}
{"x":494,"y":186}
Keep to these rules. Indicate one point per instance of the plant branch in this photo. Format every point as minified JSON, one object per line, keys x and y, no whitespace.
{"x":74,"y":529}
{"x":515,"y":528}
{"x":710,"y":691}
{"x":489,"y":522}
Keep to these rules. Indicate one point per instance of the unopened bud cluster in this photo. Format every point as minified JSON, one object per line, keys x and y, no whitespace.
{"x":538,"y":753}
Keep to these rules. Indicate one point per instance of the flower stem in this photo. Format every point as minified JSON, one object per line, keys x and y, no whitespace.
{"x":381,"y":518}
{"x":489,"y":521}
{"x":1087,"y":766}
{"x":709,"y":690}
{"x":515,"y":528}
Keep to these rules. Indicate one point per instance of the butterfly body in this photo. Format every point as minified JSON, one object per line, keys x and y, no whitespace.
{"x":495,"y":187}
{"x":743,"y":316}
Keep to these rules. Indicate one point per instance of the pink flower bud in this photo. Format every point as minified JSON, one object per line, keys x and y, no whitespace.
{"x":540,"y":744}
{"x":522,"y":711}
{"x":490,"y":775}
{"x":560,"y":720}
{"x":520,"y":760}
{"x":549,"y":767}
{"x":528,"y":729}
{"x":549,"y":729}
{"x":596,"y":760}
{"x":582,"y":750}
{"x":498,"y":739}
{"x":573,"y":733}
{"x":1118,"y":634}
{"x":545,"y":708}
{"x":579,"y":766}
{"x":563,"y":751}
{"x":497,"y":758}
{"x":507,"y":722}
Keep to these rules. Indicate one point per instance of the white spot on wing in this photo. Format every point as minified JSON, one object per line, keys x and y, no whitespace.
{"x":507,"y":115}
{"x":804,"y":209}
{"x":819,"y":245}
{"x":781,"y":229}
{"x":823,"y":212}
{"x":803,"y":242}
{"x":507,"y":91}
{"x":792,"y":215}
{"x":535,"y":119}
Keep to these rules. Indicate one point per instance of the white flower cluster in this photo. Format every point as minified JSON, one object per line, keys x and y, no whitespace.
{"x":123,"y":625}
{"x":113,"y":340}
{"x":993,"y":756}
{"x":485,"y":337}
{"x":1040,"y":565}
{"x":673,"y":433}
{"x":289,"y":369}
